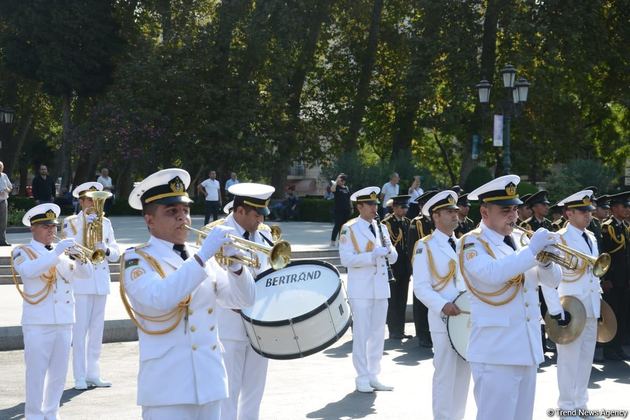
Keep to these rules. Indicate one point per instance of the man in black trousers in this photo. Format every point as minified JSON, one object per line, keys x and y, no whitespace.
{"x":398,"y":228}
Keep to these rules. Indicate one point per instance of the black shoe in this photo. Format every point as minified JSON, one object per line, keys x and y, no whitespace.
{"x":396,"y":336}
{"x":622,"y":355}
{"x":407,"y":336}
{"x":5,"y":244}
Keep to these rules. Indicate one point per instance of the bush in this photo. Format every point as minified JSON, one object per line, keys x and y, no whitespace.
{"x":19,"y":202}
{"x":477,"y":177}
{"x":15,"y":217}
{"x":315,"y":210}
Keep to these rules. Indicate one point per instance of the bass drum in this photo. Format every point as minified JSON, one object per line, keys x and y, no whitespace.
{"x":299,"y":310}
{"x":458,"y":327}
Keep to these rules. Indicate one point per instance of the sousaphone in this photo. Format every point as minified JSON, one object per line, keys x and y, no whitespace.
{"x":568,"y":333}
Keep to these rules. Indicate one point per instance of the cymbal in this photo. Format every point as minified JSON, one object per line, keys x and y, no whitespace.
{"x":566,"y":334}
{"x":607,"y":327}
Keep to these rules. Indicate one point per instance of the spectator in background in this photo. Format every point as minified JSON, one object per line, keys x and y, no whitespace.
{"x":342,"y":209}
{"x":105,"y":180}
{"x":414,"y":191}
{"x":390,"y":189}
{"x":43,"y":186}
{"x":232,"y":181}
{"x":5,"y":189}
{"x":211,"y":189}
{"x":286,"y":209}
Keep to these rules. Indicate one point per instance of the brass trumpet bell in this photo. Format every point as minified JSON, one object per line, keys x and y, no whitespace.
{"x":279,"y":255}
{"x":569,"y":258}
{"x":568,"y":333}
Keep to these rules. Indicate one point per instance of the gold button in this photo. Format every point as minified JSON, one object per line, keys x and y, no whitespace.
{"x":194,"y":347}
{"x":214,"y":347}
{"x":210,"y":310}
{"x":193,"y":328}
{"x":212,"y":328}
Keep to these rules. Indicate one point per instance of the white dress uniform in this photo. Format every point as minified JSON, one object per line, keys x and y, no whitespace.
{"x":504,"y":348}
{"x":368,"y":291}
{"x":452,"y":373}
{"x":90,"y":296}
{"x":190,"y":355}
{"x":174,"y":304}
{"x":575,"y":359}
{"x":46,"y":325}
{"x":247,"y":370}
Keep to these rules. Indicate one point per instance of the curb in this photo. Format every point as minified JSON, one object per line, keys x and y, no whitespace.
{"x":18,"y":229}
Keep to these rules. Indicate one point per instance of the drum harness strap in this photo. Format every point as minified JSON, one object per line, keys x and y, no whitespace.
{"x":515,"y":282}
{"x":442,"y":281}
{"x":178,"y":312}
{"x":48,"y":278}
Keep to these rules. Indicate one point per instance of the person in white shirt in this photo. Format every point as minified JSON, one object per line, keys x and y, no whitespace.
{"x":5,"y":189}
{"x":390,"y":189}
{"x":437,"y":283}
{"x":504,"y":348}
{"x":232,"y":181}
{"x":365,"y":250}
{"x":211,"y":189}
{"x":48,"y":309}
{"x":90,"y":295}
{"x":575,"y":359}
{"x":106,"y":181}
{"x":172,"y":292}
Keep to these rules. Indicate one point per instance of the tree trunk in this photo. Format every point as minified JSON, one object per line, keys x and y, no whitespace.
{"x":367,"y":65}
{"x":488,"y":62}
{"x":447,"y":161}
{"x":64,"y":170}
{"x":25,"y":130}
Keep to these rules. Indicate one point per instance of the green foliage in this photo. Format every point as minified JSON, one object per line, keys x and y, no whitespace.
{"x":570,"y":178}
{"x":477,"y":177}
{"x":17,"y":202}
{"x":15,"y":216}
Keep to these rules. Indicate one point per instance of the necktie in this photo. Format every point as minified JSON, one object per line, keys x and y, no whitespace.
{"x":181,"y":250}
{"x":246,"y":235}
{"x":585,"y":236}
{"x":451,"y":242}
{"x":508,"y":240}
{"x":372,"y":230}
{"x":48,"y":247}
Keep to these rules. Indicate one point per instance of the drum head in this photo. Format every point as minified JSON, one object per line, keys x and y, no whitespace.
{"x":458,"y":327}
{"x":293,"y":293}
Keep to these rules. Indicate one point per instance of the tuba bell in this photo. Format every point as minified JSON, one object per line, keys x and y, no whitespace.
{"x":93,"y":232}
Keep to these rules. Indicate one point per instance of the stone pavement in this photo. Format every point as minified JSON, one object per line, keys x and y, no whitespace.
{"x":320,"y":386}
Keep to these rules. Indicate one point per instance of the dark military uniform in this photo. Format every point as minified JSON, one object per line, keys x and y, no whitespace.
{"x":420,"y":227}
{"x":558,"y":224}
{"x":596,"y":227}
{"x":534,"y":224}
{"x":398,"y":232}
{"x":616,"y":242}
{"x":463,"y":227}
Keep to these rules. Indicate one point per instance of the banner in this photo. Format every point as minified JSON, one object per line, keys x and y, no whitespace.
{"x":497,"y":134}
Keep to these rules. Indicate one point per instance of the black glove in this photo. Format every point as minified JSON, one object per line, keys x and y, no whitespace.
{"x":566,"y":321}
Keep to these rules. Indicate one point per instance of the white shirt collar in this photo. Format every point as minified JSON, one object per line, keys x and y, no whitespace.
{"x":493,"y":235}
{"x":441,"y":236}
{"x":570,"y":227}
{"x":38,"y":246}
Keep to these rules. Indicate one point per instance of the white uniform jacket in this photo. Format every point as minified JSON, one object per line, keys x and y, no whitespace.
{"x":185,"y":365}
{"x":584,"y":287}
{"x":33,"y":262}
{"x":98,"y":284}
{"x":424,"y":281}
{"x":507,"y":334}
{"x":367,"y":277}
{"x":232,"y":327}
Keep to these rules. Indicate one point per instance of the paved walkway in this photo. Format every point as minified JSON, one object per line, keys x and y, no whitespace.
{"x":320,"y":386}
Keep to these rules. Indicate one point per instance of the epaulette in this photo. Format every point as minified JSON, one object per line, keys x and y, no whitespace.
{"x":607,"y":221}
{"x":351,"y":222}
{"x":262,"y":226}
{"x":72,"y":216}
{"x":475,"y":232}
{"x":144,"y":245}
{"x":563,"y":230}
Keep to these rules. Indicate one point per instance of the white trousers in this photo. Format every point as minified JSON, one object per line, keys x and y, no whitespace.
{"x":87,"y":336}
{"x":368,"y":334}
{"x":46,"y":354}
{"x":210,"y":411}
{"x":450,"y":380}
{"x":247,"y":373}
{"x":504,"y":391}
{"x":575,"y":361}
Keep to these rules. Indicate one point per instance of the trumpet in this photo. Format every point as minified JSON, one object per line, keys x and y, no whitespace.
{"x":83,"y":253}
{"x":279,"y":255}
{"x":570,"y":257}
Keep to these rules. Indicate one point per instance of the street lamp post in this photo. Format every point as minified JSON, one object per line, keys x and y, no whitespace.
{"x":516,"y":95}
{"x":6,"y":117}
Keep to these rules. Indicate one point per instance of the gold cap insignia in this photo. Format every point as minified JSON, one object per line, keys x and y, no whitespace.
{"x":451,"y":200}
{"x":586,"y":200}
{"x":510,"y":189}
{"x":373,"y":196}
{"x":50,"y":215}
{"x":176,"y":185}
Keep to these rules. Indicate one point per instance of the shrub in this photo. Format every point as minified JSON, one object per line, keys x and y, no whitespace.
{"x":315,"y":210}
{"x":477,"y":177}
